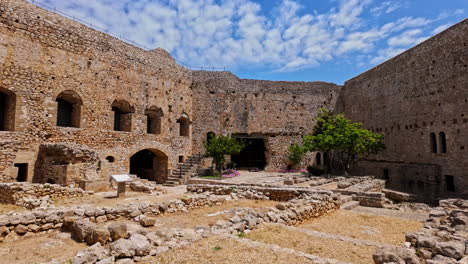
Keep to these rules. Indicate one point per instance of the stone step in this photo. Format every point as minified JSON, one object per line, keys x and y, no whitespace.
{"x":345,"y":198}
{"x":349,"y":205}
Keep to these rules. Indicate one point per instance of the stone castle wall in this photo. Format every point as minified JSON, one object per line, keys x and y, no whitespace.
{"x":43,"y":54}
{"x":422,"y":91}
{"x":279,"y":112}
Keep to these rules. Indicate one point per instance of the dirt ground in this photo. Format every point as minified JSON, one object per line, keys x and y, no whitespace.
{"x":110,"y":199}
{"x":382,"y":229}
{"x":325,"y":248}
{"x":39,"y":249}
{"x":225,"y":251}
{"x":5,"y":208}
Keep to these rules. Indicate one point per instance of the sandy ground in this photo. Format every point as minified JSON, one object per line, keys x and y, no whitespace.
{"x":39,"y":249}
{"x":381,"y":229}
{"x":5,"y":208}
{"x":225,"y":251}
{"x":110,"y":199}
{"x":410,"y":215}
{"x":322,"y":247}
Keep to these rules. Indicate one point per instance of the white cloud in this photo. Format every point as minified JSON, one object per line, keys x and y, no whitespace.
{"x":386,"y":7}
{"x":237,"y":33}
{"x":386,"y":54}
{"x":407,"y":38}
{"x":440,"y":28}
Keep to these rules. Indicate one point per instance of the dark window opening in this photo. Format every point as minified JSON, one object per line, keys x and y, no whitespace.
{"x":122,"y":115}
{"x":411,"y":185}
{"x":433,"y":143}
{"x":153,"y":120}
{"x":386,"y":174}
{"x":22,"y":175}
{"x":184,"y":129}
{"x":181,"y":159}
{"x":450,"y":183}
{"x":64,"y":113}
{"x":252,"y":156}
{"x":443,"y":142}
{"x":210,"y":135}
{"x":318,"y":159}
{"x":68,"y":109}
{"x":7,"y":110}
{"x":110,"y":159}
{"x":3,"y":111}
{"x":420,"y":186}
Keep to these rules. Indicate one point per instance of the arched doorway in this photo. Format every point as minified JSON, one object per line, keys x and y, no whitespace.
{"x":149,"y":164}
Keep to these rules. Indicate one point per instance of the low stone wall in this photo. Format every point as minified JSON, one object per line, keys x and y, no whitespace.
{"x":258,"y":192}
{"x":399,"y":196}
{"x":140,"y":245}
{"x":24,"y":194}
{"x":54,"y":218}
{"x":367,"y":191}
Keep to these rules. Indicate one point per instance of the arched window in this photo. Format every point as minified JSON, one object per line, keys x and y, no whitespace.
{"x":209,"y":136}
{"x":68,"y":109}
{"x":154,"y":117}
{"x":122,"y":115}
{"x":7,"y":110}
{"x":318,"y":158}
{"x":184,"y":129}
{"x":110,"y":159}
{"x":433,"y":139}
{"x":443,"y":142}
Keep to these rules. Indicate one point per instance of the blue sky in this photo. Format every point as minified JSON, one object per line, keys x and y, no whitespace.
{"x":297,"y":40}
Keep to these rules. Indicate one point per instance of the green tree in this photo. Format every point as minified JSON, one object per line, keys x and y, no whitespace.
{"x":295,"y":155}
{"x":219,"y":146}
{"x":342,"y":140}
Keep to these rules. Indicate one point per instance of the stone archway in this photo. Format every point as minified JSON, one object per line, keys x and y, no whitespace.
{"x":150,"y":164}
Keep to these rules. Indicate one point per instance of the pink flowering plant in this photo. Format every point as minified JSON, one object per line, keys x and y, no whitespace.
{"x":230,"y":173}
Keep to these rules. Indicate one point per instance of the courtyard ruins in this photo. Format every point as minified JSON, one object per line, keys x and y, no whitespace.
{"x":256,"y":217}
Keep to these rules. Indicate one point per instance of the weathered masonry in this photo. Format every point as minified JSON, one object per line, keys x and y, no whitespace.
{"x":77,"y":105}
{"x":419,"y":101}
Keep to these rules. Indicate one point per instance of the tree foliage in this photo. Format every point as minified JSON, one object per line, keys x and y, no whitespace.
{"x":295,"y":155}
{"x":219,"y":146}
{"x":342,"y":140}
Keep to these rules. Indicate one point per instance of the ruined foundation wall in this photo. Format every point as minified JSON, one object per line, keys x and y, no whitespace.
{"x":43,"y":54}
{"x":279,"y":112}
{"x":422,"y":91}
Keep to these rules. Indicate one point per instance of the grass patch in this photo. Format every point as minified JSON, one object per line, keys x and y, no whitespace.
{"x":210,"y":177}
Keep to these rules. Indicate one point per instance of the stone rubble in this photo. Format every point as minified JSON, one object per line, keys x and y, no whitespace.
{"x":443,"y":240}
{"x":140,"y":244}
